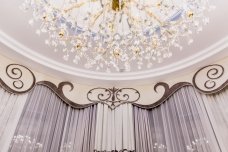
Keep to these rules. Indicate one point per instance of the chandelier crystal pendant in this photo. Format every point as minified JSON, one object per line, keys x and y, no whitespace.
{"x":119,"y":35}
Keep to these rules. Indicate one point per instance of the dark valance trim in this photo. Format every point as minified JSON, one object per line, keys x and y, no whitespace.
{"x":59,"y":92}
{"x":15,"y":73}
{"x":210,"y":86}
{"x":168,"y":92}
{"x":214,"y":72}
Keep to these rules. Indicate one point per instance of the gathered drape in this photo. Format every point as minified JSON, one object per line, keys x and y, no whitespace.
{"x":180,"y":124}
{"x":217,"y":108}
{"x":10,"y":109}
{"x":47,"y":124}
{"x":41,"y":122}
{"x":114,"y":130}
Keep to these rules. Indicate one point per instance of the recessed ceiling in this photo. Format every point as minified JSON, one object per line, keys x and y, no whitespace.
{"x":19,"y":41}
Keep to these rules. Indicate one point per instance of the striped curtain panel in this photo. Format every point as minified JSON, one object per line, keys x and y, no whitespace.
{"x":217,"y":108}
{"x":11,"y":107}
{"x":180,"y":124}
{"x":47,"y":124}
{"x":115,"y":129}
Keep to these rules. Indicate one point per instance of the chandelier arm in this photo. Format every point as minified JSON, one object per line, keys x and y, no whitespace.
{"x":151,"y":14}
{"x":74,"y":6}
{"x":96,"y":16}
{"x":77,"y":5}
{"x":132,"y":17}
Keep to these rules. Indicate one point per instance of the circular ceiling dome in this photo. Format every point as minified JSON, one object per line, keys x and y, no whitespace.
{"x":19,"y":42}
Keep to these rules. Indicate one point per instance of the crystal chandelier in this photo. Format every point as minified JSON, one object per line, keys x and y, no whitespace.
{"x":119,"y":35}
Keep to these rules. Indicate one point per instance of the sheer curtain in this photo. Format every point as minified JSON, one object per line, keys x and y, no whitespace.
{"x":178,"y":125}
{"x":10,"y":110}
{"x":217,"y":108}
{"x":47,"y":124}
{"x":186,"y":122}
{"x":114,"y":130}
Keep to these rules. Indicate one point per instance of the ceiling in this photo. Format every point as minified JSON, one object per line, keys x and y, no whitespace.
{"x":19,"y":42}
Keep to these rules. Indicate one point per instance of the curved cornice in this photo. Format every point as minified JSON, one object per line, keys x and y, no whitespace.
{"x":208,"y":80}
{"x":58,"y":90}
{"x":86,"y":74}
{"x":169,"y":91}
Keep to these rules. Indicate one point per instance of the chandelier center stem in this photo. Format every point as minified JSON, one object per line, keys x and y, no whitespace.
{"x":117,"y":5}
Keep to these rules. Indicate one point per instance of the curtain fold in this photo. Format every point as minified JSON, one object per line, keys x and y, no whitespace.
{"x":187,"y":122}
{"x":217,"y":108}
{"x":47,"y":124}
{"x":178,"y":125}
{"x":11,"y":107}
{"x":114,"y":130}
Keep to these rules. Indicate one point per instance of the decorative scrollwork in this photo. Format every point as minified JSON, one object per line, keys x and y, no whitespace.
{"x":113,"y":97}
{"x":213,"y":74}
{"x":168,"y":92}
{"x":59,"y":92}
{"x":15,"y":73}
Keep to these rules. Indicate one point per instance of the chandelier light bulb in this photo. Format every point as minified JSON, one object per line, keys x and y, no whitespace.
{"x":121,"y":35}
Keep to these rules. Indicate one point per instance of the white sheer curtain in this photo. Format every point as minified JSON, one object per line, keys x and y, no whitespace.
{"x":186,"y":122}
{"x":217,"y":108}
{"x":47,"y":124}
{"x":114,"y":130}
{"x":180,"y":124}
{"x":10,"y":110}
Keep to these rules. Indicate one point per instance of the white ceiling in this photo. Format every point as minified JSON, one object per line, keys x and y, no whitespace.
{"x":19,"y":42}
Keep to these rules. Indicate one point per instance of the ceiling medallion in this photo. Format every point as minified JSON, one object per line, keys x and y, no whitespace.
{"x":117,"y":35}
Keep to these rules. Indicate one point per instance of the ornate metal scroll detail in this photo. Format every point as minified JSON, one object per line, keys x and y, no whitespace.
{"x":168,"y":92}
{"x":15,"y":73}
{"x":59,"y":92}
{"x":113,"y":97}
{"x":213,"y":74}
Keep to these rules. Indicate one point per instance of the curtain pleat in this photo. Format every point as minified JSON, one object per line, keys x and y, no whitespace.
{"x":187,"y":122}
{"x":217,"y":109}
{"x":114,"y":130}
{"x":11,"y":107}
{"x":180,"y":124}
{"x":47,"y":124}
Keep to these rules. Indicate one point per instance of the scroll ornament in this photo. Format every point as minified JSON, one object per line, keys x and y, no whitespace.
{"x":210,"y":79}
{"x":113,"y":97}
{"x":16,"y":82}
{"x":19,"y":79}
